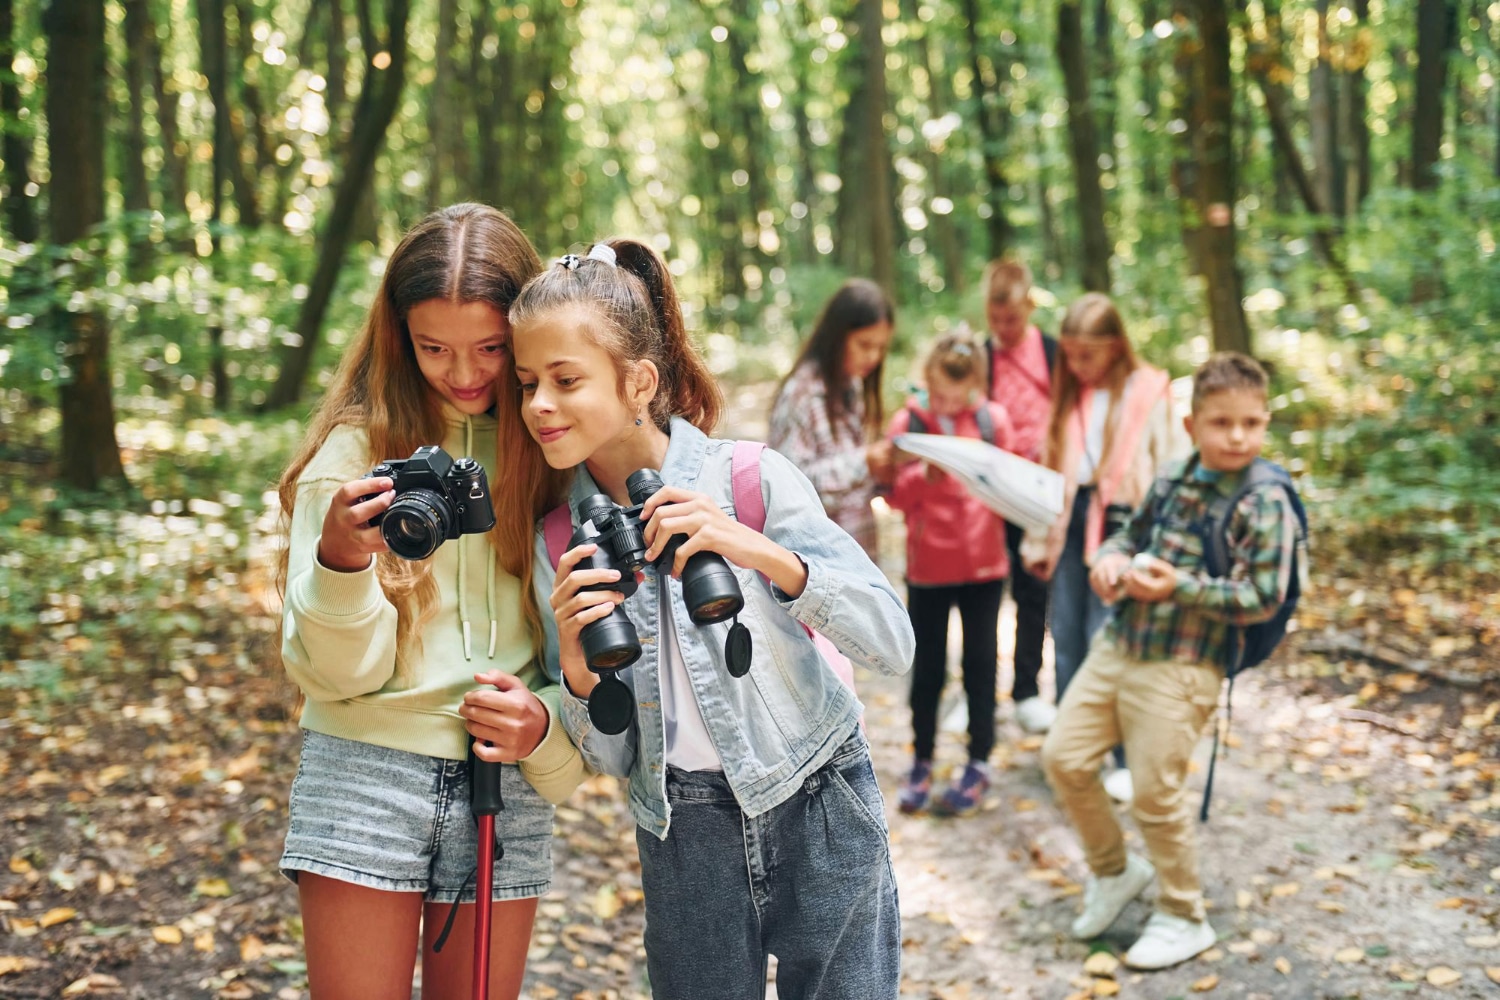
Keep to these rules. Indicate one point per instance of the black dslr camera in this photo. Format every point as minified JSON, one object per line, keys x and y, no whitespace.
{"x":611,"y":643}
{"x":437,"y":499}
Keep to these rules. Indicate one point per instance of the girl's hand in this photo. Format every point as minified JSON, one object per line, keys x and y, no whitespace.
{"x":348,"y":541}
{"x":676,"y":511}
{"x":1040,"y":568}
{"x":934,"y":475}
{"x":1150,"y":580}
{"x":880,"y":457}
{"x":574,"y":608}
{"x":507,"y":721}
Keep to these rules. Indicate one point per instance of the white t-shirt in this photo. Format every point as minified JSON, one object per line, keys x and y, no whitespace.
{"x":688,"y":745}
{"x":1093,"y":438}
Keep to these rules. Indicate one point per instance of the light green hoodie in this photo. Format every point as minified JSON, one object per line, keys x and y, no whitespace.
{"x":339,"y":636}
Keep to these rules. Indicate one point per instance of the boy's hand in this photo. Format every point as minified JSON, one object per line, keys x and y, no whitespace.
{"x":1105,"y":576}
{"x":1150,"y":580}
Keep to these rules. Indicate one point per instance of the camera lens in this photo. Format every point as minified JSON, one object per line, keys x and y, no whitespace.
{"x":416,"y":523}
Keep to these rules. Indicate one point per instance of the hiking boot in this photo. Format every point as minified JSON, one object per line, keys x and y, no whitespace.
{"x":1105,"y":896}
{"x":1034,"y":715}
{"x":962,"y":797}
{"x":1169,"y":940}
{"x":916,"y":788}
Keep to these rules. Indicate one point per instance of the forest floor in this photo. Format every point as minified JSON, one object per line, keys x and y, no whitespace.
{"x":1354,"y":848}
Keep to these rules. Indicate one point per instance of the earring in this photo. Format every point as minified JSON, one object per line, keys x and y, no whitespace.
{"x":638,"y":421}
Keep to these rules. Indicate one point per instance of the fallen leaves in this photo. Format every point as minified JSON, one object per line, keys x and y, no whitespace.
{"x":57,"y":915}
{"x":1441,"y":975}
{"x":18,"y":963}
{"x":1205,"y":984}
{"x":167,"y":934}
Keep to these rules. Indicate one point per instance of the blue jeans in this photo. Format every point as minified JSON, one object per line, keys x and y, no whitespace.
{"x":1077,"y":612}
{"x":809,"y":882}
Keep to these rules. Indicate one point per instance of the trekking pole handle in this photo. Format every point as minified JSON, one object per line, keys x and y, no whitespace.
{"x":484,"y":786}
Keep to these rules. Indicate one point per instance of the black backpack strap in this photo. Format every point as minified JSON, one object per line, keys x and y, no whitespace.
{"x":986,"y":423}
{"x":915,"y":424}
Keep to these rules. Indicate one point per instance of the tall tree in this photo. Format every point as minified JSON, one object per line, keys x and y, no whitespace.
{"x":1437,"y":23}
{"x":89,"y":456}
{"x":444,"y":124}
{"x":1211,"y":125}
{"x":1353,"y":107}
{"x":1105,"y":80}
{"x":137,"y":188}
{"x":1084,"y":145}
{"x":379,"y":96}
{"x":20,"y":204}
{"x":870,"y":201}
{"x":228,"y":164}
{"x":1323,"y":103}
{"x":989,"y":117}
{"x":174,"y":180}
{"x":934,"y":151}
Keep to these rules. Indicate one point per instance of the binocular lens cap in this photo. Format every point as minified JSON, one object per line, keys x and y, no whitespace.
{"x":738,"y":650}
{"x":611,"y":705}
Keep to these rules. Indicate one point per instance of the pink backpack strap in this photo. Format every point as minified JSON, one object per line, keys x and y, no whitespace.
{"x":744,"y":478}
{"x":557,"y":528}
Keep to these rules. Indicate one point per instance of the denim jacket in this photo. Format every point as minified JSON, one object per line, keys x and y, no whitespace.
{"x":783,"y":720}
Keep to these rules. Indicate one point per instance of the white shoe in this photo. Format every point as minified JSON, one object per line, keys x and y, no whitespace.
{"x":1119,"y":786}
{"x":1104,"y":897}
{"x":1169,"y":940}
{"x":1035,"y":715}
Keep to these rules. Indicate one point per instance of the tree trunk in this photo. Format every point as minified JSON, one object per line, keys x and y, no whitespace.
{"x":379,"y":97}
{"x":1103,"y":95}
{"x":260,"y":137}
{"x":490,"y":75}
{"x":444,"y":123}
{"x":1187,"y":108}
{"x":20,"y":205}
{"x":876,"y":153}
{"x":89,"y":456}
{"x":944,"y":232}
{"x":1282,"y":194}
{"x":807,"y":176}
{"x":228,"y":164}
{"x":1436,"y":32}
{"x":985,"y":85}
{"x":1151,"y":180}
{"x":1353,"y":107}
{"x":1212,"y":128}
{"x":749,"y":130}
{"x":1323,"y":102}
{"x":1084,"y":146}
{"x":1052,"y":249}
{"x":173,"y":178}
{"x":136,"y":188}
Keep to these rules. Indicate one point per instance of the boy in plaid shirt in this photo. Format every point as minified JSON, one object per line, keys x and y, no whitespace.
{"x":1152,"y":676}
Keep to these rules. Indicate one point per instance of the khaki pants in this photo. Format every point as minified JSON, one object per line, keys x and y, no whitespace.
{"x":1157,"y":709}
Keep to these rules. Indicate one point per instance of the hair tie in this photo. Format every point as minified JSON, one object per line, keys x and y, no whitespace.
{"x":570,"y":261}
{"x":604,"y":252}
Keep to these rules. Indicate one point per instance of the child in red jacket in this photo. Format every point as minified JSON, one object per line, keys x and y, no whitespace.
{"x":955,"y":554}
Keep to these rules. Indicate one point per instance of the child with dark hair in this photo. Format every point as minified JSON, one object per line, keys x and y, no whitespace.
{"x":955,"y":555}
{"x":1152,"y":676}
{"x":758,"y":818}
{"x":828,"y":411}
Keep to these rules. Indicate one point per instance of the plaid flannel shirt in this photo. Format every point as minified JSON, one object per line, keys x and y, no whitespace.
{"x":1196,"y":623}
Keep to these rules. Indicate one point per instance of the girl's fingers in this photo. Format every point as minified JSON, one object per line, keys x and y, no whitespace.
{"x":350,"y":492}
{"x":573,"y":556}
{"x":362,"y":512}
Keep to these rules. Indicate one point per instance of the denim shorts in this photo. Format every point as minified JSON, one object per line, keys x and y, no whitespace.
{"x":400,"y":821}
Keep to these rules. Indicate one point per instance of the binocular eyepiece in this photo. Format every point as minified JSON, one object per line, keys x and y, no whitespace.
{"x":709,"y":588}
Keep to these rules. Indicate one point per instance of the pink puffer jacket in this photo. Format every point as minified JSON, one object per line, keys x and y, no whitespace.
{"x":950,"y":536}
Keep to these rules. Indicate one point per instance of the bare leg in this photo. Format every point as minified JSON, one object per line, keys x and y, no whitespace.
{"x":360,"y":942}
{"x":446,"y":975}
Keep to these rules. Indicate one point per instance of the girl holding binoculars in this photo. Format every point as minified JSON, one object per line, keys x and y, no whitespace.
{"x":760,"y":826}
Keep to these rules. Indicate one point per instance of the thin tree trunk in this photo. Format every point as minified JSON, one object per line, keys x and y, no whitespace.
{"x":944,"y":232}
{"x":20,"y":204}
{"x":985,"y":85}
{"x":1084,"y":145}
{"x":1052,"y":250}
{"x":211,"y":36}
{"x":260,"y":136}
{"x":748,"y":140}
{"x":1282,"y":194}
{"x":379,"y":97}
{"x":807,"y":177}
{"x":1103,"y":94}
{"x":1323,"y":104}
{"x":444,"y":122}
{"x":1354,"y":103}
{"x":1212,"y":128}
{"x":1151,"y":180}
{"x":489,"y":76}
{"x":89,"y":456}
{"x":137,"y":190}
{"x":1436,"y":33}
{"x":1186,"y":108}
{"x":877,"y":151}
{"x":174,"y":177}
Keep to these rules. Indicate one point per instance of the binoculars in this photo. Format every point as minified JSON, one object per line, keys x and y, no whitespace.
{"x":709,"y":588}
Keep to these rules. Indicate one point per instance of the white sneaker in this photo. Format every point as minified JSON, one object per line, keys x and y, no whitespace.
{"x":1119,"y":785}
{"x":1035,"y":715}
{"x":1169,"y":940}
{"x":1104,"y":897}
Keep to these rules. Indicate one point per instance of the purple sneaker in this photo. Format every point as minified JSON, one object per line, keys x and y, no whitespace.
{"x":916,"y":788}
{"x":963,"y":796}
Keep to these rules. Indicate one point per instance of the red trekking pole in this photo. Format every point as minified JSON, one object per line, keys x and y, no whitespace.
{"x":484,"y":803}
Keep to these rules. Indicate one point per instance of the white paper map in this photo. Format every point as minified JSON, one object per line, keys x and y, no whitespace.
{"x":1022,"y":492}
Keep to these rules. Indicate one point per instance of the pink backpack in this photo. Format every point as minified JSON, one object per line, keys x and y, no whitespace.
{"x":750,"y":509}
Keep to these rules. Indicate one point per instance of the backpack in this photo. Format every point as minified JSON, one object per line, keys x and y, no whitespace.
{"x":1250,"y":644}
{"x":749,"y":510}
{"x":917,"y":425}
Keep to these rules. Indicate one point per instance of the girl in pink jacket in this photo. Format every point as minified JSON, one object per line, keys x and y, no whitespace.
{"x":955,"y":554}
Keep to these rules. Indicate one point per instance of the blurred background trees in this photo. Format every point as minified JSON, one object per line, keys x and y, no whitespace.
{"x":198,"y":194}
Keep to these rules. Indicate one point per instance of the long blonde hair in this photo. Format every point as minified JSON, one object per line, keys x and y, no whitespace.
{"x":638,"y":317}
{"x":463,"y":253}
{"x":1093,"y":316}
